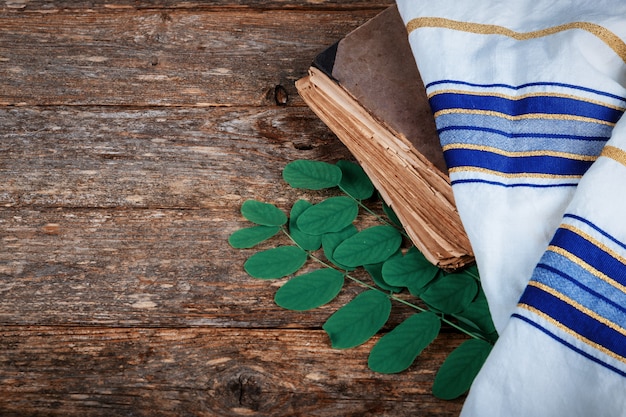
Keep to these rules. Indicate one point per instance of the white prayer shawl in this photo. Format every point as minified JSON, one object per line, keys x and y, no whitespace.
{"x":527,"y":96}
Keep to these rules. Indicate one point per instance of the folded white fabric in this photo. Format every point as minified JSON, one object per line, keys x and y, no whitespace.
{"x":526,"y":94}
{"x":564,"y":350}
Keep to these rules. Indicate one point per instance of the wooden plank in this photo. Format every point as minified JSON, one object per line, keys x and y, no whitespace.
{"x":121,"y":217}
{"x":161,"y":57}
{"x":153,"y":268}
{"x":87,"y":372}
{"x":130,"y":134}
{"x":154,"y":158}
{"x":48,"y":6}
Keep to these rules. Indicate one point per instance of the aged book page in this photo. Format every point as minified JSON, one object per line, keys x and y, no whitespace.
{"x":367,"y":89}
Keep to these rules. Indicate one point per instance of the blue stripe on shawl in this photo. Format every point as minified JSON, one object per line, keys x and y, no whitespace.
{"x":579,"y":287}
{"x":569,"y":345}
{"x":575,"y":320}
{"x":528,"y":85}
{"x":525,"y":106}
{"x":543,"y":164}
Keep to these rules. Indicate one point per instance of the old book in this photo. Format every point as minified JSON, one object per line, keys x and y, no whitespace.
{"x":367,"y":89}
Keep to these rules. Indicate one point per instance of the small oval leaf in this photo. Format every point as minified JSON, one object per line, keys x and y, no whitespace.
{"x":477,"y":315}
{"x":330,"y":215}
{"x":304,"y":240}
{"x":369,"y":246}
{"x":411,"y":270}
{"x":311,"y":175}
{"x":451,"y":293}
{"x":310,"y":290}
{"x":251,"y":236}
{"x":397,"y":350}
{"x":392,"y":216}
{"x":375,"y":271}
{"x":276,"y":262}
{"x":472,"y":271}
{"x":359,"y":320}
{"x":354,"y":181}
{"x":264,"y":214}
{"x":330,"y":241}
{"x":456,"y":374}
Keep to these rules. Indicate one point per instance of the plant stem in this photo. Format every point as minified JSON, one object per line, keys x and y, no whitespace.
{"x":442,"y":318}
{"x":391,"y":296}
{"x":377,"y":216}
{"x":475,"y":276}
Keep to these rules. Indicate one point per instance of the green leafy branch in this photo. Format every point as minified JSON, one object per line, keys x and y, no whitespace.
{"x":326,"y":233}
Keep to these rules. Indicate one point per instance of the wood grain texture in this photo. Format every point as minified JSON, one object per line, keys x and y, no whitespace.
{"x":161,"y":57}
{"x":140,"y":267}
{"x":53,"y":6}
{"x":130,"y":134}
{"x":226,"y":372}
{"x":154,"y":158}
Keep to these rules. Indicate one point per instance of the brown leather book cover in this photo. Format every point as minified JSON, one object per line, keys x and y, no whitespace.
{"x":368,"y":90}
{"x":375,"y":64}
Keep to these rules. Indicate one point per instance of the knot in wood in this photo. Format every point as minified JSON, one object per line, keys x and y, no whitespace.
{"x":249,"y":388}
{"x":246,"y":389}
{"x":280,"y":95}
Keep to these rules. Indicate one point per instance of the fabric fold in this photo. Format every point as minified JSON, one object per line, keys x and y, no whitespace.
{"x":527,"y":98}
{"x":564,"y":350}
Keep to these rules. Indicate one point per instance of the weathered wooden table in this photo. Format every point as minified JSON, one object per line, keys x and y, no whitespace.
{"x":130,"y":134}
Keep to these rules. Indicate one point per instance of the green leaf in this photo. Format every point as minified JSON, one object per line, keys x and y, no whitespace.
{"x":311,"y":175}
{"x":330,"y":215}
{"x":451,"y":293}
{"x":397,"y":350}
{"x":251,"y":236}
{"x":472,"y":270}
{"x":412,"y":270}
{"x":264,"y":214}
{"x":393,"y":217}
{"x":477,"y":315}
{"x":359,"y":320}
{"x":330,"y":241}
{"x":305,"y":240}
{"x":354,"y":181}
{"x":369,"y":246}
{"x":460,"y":368}
{"x":310,"y":290}
{"x":375,"y":271}
{"x":275,"y":263}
